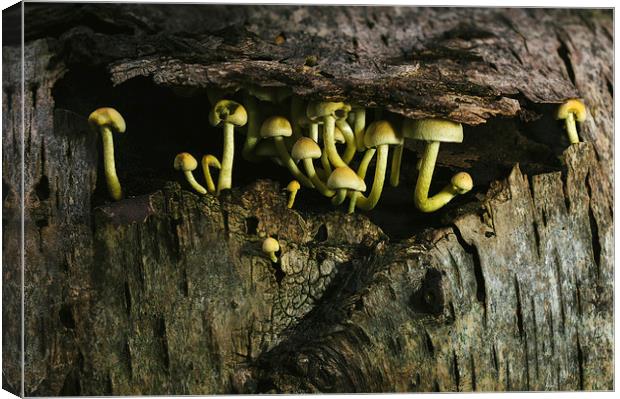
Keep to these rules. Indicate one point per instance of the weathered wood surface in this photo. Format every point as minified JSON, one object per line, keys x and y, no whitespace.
{"x":167,"y":292}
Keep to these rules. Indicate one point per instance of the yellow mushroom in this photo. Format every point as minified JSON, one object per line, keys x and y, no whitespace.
{"x":185,"y":162}
{"x":228,"y":114}
{"x":292,"y":188}
{"x":343,"y":179}
{"x":572,"y":111}
{"x":270,"y":247}
{"x":106,"y":121}
{"x":434,"y":132}
{"x":209,"y":161}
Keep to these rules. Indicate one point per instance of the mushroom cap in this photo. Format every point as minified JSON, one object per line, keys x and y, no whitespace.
{"x":211,"y":161}
{"x":345,"y":178}
{"x":108,"y":117}
{"x":185,"y":161}
{"x":574,"y":106}
{"x":276,"y":126}
{"x":266,"y":148}
{"x":293,"y":186}
{"x":228,"y":111}
{"x":305,"y":148}
{"x":270,"y":245}
{"x":462,"y":182}
{"x":433,"y":130}
{"x":318,"y":110}
{"x":380,"y":133}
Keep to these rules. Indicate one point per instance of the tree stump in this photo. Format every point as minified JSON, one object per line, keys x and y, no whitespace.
{"x":509,"y":287}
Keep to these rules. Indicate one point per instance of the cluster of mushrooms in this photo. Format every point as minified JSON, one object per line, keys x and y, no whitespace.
{"x":312,"y":133}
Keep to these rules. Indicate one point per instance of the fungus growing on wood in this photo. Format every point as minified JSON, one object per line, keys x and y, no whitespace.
{"x":343,"y":179}
{"x":209,"y":161}
{"x":572,"y":111}
{"x":292,"y":188}
{"x":107,"y":120}
{"x":434,"y":132}
{"x":186,"y":163}
{"x":228,"y":114}
{"x":270,"y":247}
{"x":329,"y":112}
{"x":278,"y":127}
{"x":306,"y":149}
{"x":379,"y":135}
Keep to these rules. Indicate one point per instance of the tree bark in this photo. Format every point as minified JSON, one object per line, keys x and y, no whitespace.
{"x":167,"y":292}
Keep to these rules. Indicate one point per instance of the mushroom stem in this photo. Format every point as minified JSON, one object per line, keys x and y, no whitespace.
{"x":397,"y":157}
{"x":314,"y":132}
{"x":320,"y":186}
{"x":329,"y":127}
{"x":349,"y":138}
{"x":253,"y":134}
{"x":361,"y":172}
{"x":327,"y":167}
{"x":225,"y":180}
{"x":571,"y":128}
{"x":427,"y":166}
{"x":358,"y":128}
{"x":114,"y":186}
{"x":207,"y":162}
{"x":286,"y":159}
{"x":377,"y":184}
{"x":195,"y":185}
{"x":341,"y":195}
{"x":291,"y":199}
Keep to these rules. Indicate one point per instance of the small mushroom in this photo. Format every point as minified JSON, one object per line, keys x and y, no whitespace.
{"x":209,"y":161}
{"x":292,"y":188}
{"x":329,"y":113}
{"x":185,"y":162}
{"x":270,"y":247}
{"x":106,"y":121}
{"x":343,"y":179}
{"x":434,"y":132}
{"x":571,"y":111}
{"x":228,"y":114}
{"x":379,"y":135}
{"x":278,"y":127}
{"x":306,"y":149}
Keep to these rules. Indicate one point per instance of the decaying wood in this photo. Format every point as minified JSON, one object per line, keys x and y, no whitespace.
{"x":167,"y":292}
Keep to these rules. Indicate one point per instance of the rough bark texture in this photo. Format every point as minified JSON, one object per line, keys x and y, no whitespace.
{"x":167,"y":292}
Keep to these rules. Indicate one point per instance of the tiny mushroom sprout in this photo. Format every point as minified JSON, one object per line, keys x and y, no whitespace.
{"x":329,"y":113}
{"x":306,"y":149}
{"x":343,"y":179}
{"x":209,"y":161}
{"x":228,"y":114}
{"x":185,"y":162}
{"x":379,"y":135}
{"x":278,"y":127}
{"x":270,"y":247}
{"x":434,"y":132}
{"x":106,"y":121}
{"x":292,"y":188}
{"x":571,"y":111}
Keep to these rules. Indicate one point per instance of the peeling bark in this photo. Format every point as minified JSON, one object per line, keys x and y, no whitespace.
{"x":168,"y":292}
